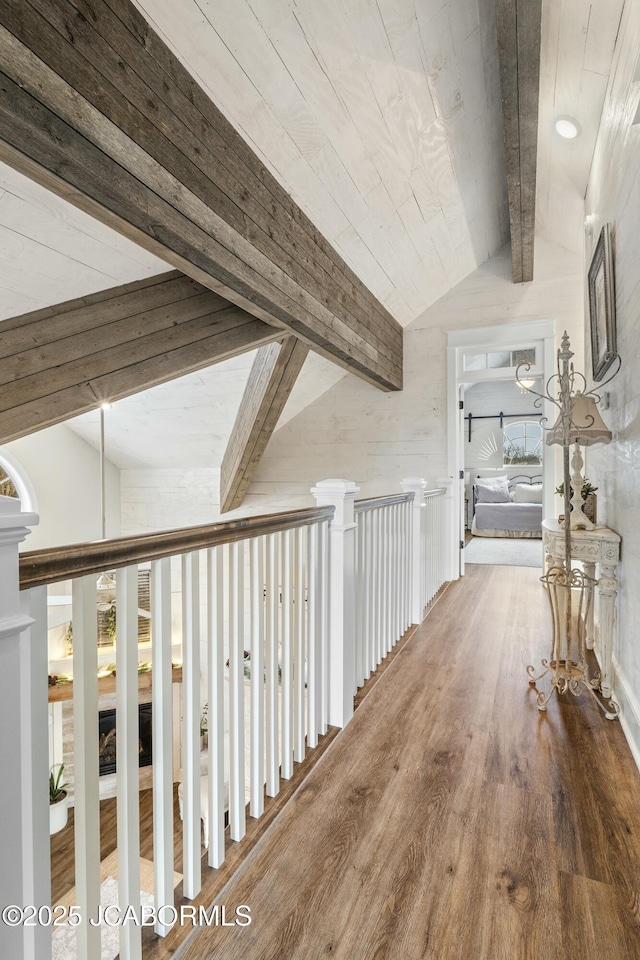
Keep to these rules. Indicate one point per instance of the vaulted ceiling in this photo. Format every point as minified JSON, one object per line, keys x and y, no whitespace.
{"x":382,"y":119}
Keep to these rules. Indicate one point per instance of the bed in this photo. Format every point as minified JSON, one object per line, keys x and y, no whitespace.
{"x":507,"y":507}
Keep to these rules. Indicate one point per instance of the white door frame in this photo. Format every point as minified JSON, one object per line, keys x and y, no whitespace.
{"x":496,"y":337}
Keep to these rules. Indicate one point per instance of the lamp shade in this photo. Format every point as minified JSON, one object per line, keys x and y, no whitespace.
{"x":587,"y":426}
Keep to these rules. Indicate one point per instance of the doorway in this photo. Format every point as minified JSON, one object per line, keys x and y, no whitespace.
{"x":495,"y":446}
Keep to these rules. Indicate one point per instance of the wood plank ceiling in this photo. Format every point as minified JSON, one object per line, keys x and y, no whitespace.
{"x":98,"y":109}
{"x":61,"y":361}
{"x":383,"y":121}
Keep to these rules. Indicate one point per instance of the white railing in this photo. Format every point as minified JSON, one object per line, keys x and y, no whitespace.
{"x":275,"y":622}
{"x":432,"y":539}
{"x":383,"y":560}
{"x":255,"y":605}
{"x":429,"y":547}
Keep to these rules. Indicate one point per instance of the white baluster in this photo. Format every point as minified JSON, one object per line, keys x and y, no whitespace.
{"x":324,"y":566}
{"x":300,"y":660}
{"x":287,"y":547}
{"x":365,"y":531}
{"x":376,"y":560}
{"x":406,"y":568}
{"x":429,"y":550}
{"x":257,"y":676}
{"x":314,"y":633}
{"x":215,"y":699}
{"x":237,"y":817}
{"x":192,"y":874}
{"x":271,"y":666}
{"x":384,"y":581}
{"x":358,"y":617}
{"x":85,"y":756}
{"x":127,"y":760}
{"x":373,"y":593}
{"x":391,"y":548}
{"x":162,"y":739}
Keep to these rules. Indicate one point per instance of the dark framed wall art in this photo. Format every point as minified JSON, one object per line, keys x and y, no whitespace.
{"x":602,"y":306}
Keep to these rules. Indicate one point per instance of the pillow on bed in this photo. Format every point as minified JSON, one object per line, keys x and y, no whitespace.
{"x":528,"y":493}
{"x":492,"y":493}
{"x":484,"y":479}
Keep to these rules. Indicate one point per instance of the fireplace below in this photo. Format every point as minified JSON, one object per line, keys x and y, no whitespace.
{"x":107,"y":738}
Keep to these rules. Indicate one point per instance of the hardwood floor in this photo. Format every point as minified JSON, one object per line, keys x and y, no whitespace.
{"x":451,"y":820}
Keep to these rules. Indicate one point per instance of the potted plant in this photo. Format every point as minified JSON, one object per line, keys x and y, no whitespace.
{"x":58,"y":811}
{"x":588,"y":492}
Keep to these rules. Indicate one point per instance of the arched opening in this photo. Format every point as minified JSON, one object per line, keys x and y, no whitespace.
{"x":15,"y":482}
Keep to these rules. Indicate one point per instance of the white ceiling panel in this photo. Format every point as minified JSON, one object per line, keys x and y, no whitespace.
{"x":578,"y":42}
{"x":382,"y":118}
{"x":50,"y":251}
{"x":378,"y":116}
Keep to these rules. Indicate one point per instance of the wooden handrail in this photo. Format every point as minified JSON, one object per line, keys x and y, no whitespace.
{"x":373,"y":502}
{"x":40,"y":567}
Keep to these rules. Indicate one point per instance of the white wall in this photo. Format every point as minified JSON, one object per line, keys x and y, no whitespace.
{"x":377,"y":439}
{"x":613,"y":196}
{"x":65,"y":473}
{"x":488,"y":399}
{"x":168,"y":498}
{"x":354,"y":430}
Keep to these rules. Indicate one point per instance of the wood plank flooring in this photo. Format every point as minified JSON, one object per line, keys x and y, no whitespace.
{"x":451,"y":820}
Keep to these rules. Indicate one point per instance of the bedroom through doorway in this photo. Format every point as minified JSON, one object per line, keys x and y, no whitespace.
{"x":503,"y":462}
{"x":499,"y":445}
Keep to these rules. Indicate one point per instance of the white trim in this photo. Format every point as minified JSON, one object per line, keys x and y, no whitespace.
{"x":500,"y":334}
{"x":21,"y":481}
{"x":630,"y":711}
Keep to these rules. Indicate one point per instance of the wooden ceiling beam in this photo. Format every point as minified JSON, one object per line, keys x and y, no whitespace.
{"x":519,"y":23}
{"x":273,"y":374}
{"x":94,"y":106}
{"x":62,"y":361}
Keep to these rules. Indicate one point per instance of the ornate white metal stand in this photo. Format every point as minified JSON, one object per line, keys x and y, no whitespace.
{"x":570,"y":590}
{"x":571,"y":599}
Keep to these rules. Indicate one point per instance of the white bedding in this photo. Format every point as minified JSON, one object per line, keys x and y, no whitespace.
{"x":507,"y":520}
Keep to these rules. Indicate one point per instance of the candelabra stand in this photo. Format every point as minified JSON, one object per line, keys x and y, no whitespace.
{"x":570,"y":590}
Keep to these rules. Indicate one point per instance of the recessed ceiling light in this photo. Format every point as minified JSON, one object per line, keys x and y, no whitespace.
{"x":567,"y":127}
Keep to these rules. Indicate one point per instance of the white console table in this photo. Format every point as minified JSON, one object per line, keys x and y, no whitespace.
{"x":601,"y":547}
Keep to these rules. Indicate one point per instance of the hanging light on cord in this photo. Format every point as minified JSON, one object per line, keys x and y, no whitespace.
{"x":103,"y":502}
{"x":105,"y":580}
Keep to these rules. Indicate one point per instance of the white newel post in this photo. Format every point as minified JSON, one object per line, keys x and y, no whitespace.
{"x":342,"y":596}
{"x":416,"y":486}
{"x":451,"y":535}
{"x":24,"y":760}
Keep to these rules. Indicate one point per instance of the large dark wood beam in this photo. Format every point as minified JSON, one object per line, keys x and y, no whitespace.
{"x":95,"y":107}
{"x":60,"y":362}
{"x":273,"y":374}
{"x":518,"y":23}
